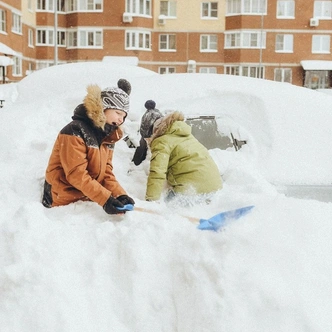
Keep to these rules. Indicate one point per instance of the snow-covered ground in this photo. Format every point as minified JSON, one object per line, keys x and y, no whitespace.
{"x":75,"y":268}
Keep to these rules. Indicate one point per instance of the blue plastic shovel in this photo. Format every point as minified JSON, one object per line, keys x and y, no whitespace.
{"x":221,"y":219}
{"x":212,"y":224}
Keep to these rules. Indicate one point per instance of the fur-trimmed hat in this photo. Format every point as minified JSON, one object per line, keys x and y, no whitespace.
{"x":117,"y":98}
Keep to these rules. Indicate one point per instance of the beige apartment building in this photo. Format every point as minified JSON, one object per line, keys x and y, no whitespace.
{"x":281,"y":40}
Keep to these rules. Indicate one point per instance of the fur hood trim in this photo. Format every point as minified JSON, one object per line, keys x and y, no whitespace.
{"x":162,"y":124}
{"x":94,"y":106}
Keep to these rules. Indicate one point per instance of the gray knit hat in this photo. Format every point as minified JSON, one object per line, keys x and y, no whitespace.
{"x":149,"y":118}
{"x":117,"y":97}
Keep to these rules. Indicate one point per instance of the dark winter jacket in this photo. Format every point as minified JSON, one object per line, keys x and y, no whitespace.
{"x":80,"y":166}
{"x":178,"y":157}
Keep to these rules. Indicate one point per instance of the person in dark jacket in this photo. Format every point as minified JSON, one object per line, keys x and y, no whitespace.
{"x":80,"y":166}
{"x":149,"y":117}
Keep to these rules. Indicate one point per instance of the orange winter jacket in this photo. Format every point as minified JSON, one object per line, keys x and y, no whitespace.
{"x":80,"y":166}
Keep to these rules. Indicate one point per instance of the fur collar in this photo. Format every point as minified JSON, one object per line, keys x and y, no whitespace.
{"x":161,"y":125}
{"x":94,"y":106}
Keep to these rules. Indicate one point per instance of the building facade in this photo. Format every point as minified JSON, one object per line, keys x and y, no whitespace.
{"x":281,"y":40}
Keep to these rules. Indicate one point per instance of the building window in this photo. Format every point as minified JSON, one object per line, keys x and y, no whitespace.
{"x":254,"y":6}
{"x":72,"y":5}
{"x":3,"y":21}
{"x":138,"y":7}
{"x":321,"y":44}
{"x":90,"y":38}
{"x":61,"y":5}
{"x":3,"y":73}
{"x":16,"y":23}
{"x":232,"y":70}
{"x":167,"y":43}
{"x":323,"y":9}
{"x":137,"y":40}
{"x":252,"y":71}
{"x":30,"y":37}
{"x":48,"y":5}
{"x":245,"y":39}
{"x":248,"y":71}
{"x":191,"y":67}
{"x":233,"y":40}
{"x":166,"y":70}
{"x":17,"y":66}
{"x":285,"y":9}
{"x":168,"y":8}
{"x":317,"y":79}
{"x":45,"y":5}
{"x":30,"y":69}
{"x":72,"y":39}
{"x":233,"y":7}
{"x":82,"y":5}
{"x":90,"y":4}
{"x":61,"y":38}
{"x":209,"y":9}
{"x":284,"y":43}
{"x":209,"y":43}
{"x":83,"y":39}
{"x":43,"y":64}
{"x":208,"y":70}
{"x":45,"y":37}
{"x":236,"y":7}
{"x":283,"y":75}
{"x":252,"y":39}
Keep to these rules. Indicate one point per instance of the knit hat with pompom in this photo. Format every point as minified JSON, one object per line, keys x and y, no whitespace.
{"x":149,"y":117}
{"x":117,"y":97}
{"x":150,"y":104}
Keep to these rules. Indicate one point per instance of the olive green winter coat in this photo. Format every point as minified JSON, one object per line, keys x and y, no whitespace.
{"x":178,"y":157}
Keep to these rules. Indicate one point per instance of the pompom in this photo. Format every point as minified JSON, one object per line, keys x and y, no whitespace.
{"x":150,"y":105}
{"x":124,"y":85}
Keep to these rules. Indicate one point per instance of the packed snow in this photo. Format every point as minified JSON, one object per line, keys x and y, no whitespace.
{"x":75,"y":268}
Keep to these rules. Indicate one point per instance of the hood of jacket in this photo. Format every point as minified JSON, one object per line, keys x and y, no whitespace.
{"x":172,"y":123}
{"x":93,"y":107}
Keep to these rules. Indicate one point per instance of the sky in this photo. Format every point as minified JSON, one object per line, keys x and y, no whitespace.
{"x":75,"y":268}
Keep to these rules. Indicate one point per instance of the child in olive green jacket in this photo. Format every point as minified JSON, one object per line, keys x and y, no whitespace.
{"x":180,"y":159}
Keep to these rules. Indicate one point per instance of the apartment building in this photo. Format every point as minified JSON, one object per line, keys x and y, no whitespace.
{"x":281,"y":40}
{"x":11,"y":34}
